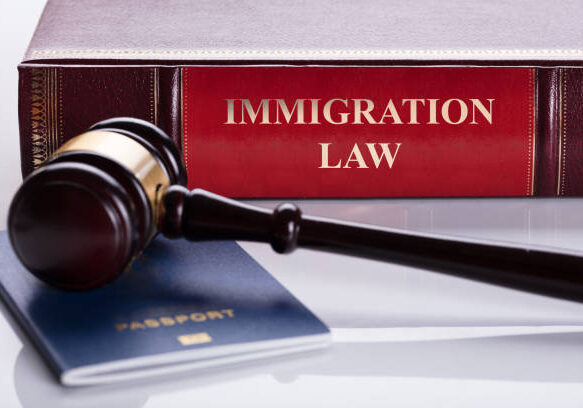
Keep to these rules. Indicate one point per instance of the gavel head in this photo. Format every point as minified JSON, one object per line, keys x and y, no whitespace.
{"x":79,"y":220}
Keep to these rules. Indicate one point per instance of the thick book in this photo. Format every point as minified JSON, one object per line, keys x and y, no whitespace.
{"x":182,"y":306}
{"x":325,"y":99}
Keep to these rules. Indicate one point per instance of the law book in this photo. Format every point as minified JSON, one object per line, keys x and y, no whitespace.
{"x":181,"y":307}
{"x":322,"y":99}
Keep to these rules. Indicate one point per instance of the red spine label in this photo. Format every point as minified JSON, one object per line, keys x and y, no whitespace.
{"x":359,"y":131}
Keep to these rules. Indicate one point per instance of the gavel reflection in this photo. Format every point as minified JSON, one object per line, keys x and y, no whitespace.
{"x":79,"y":221}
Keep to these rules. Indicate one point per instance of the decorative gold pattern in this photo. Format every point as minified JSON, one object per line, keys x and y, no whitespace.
{"x":46,"y":113}
{"x":562,"y":132}
{"x":38,"y":116}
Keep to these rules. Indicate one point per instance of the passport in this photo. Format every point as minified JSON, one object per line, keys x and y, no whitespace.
{"x":181,"y":306}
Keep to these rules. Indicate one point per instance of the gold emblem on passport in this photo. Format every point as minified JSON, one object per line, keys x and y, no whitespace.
{"x":194,"y":338}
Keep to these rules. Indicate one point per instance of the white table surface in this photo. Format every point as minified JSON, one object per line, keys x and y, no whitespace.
{"x":402,"y":336}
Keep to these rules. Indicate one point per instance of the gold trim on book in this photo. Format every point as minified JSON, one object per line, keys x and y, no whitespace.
{"x":562,"y":132}
{"x":46,"y":113}
{"x":183,"y":114}
{"x":130,"y":154}
{"x":154,"y":96}
{"x":532,"y":127}
{"x":38,"y":116}
{"x":181,"y":131}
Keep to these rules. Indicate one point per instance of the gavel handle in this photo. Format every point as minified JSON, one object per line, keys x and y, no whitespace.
{"x":200,"y":215}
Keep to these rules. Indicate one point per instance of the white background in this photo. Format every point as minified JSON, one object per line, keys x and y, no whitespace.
{"x":403,"y":337}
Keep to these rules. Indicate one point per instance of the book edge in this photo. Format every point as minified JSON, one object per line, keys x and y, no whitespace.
{"x":302,"y":54}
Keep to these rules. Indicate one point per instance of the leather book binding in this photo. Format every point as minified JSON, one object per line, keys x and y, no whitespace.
{"x":333,"y":99}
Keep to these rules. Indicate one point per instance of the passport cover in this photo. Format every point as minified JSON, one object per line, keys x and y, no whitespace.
{"x":327,"y":99}
{"x":181,"y":306}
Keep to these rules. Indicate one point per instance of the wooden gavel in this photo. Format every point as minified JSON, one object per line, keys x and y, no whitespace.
{"x":79,"y":221}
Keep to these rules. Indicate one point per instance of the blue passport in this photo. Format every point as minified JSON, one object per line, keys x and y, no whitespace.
{"x":181,"y":306}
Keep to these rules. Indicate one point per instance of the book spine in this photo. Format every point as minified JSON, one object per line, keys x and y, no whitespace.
{"x":331,"y":131}
{"x":570,"y":150}
{"x":59,"y":102}
{"x":169,"y":102}
{"x":547,"y":101}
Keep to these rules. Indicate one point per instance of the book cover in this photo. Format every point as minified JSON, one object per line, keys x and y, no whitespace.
{"x":287,"y":99}
{"x":181,"y":306}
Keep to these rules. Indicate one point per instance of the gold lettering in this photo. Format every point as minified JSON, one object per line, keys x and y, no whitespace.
{"x":152,"y":323}
{"x":136,"y":325}
{"x":314,"y":103}
{"x":325,"y":164}
{"x":247,"y":107}
{"x":390,"y":108}
{"x":413,"y":109}
{"x":356,"y":156}
{"x":463,"y":111}
{"x":212,"y":315}
{"x":328,"y":115}
{"x":197,"y":317}
{"x":361,"y":111}
{"x":386,"y":153}
{"x":358,"y":111}
{"x":433,"y":112}
{"x":181,"y":318}
{"x":230,"y":112}
{"x":167,"y":321}
{"x":486,"y":113}
{"x":287,"y":114}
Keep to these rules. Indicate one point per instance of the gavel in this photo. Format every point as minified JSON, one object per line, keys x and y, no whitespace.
{"x":80,"y":220}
